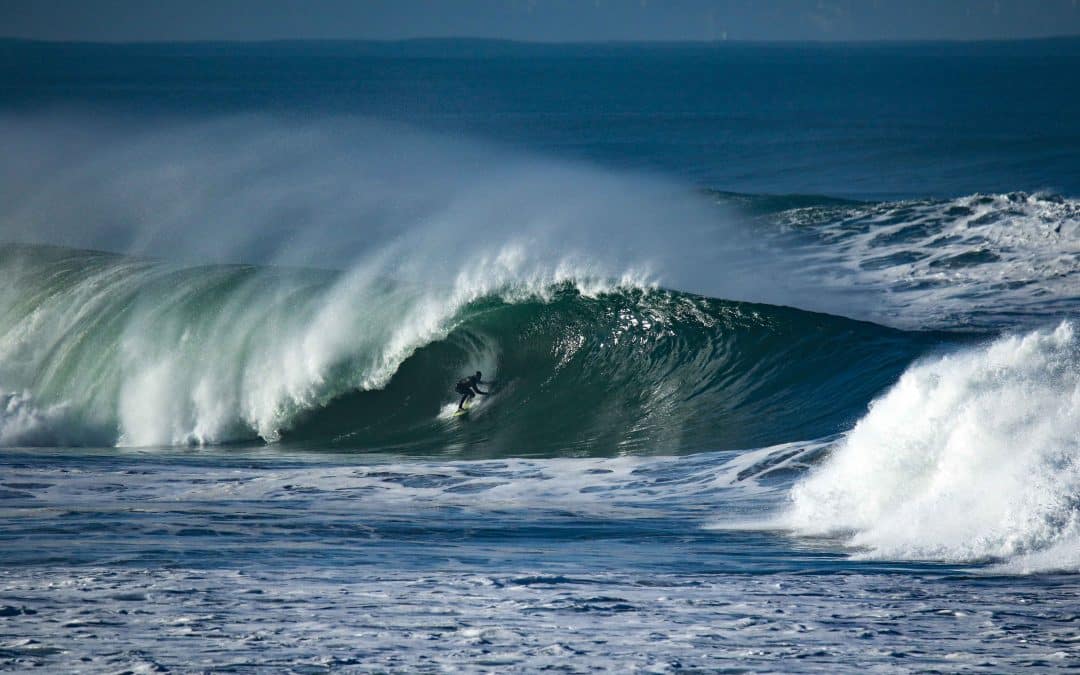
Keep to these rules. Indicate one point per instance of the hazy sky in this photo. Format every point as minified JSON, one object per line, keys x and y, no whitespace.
{"x":545,"y":20}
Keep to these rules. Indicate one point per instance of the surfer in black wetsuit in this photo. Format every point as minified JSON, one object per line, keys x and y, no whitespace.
{"x":468,"y":388}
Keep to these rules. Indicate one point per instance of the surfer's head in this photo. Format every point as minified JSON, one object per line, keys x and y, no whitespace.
{"x":478,"y":376}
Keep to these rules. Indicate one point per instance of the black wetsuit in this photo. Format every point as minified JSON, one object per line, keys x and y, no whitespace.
{"x":468,"y":388}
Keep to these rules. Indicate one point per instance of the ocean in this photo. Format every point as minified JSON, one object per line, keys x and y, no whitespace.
{"x":781,"y":343}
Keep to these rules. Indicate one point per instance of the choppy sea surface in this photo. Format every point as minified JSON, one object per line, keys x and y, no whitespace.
{"x":781,"y":341}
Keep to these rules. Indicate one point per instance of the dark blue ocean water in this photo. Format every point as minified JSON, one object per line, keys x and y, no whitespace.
{"x":781,"y":339}
{"x":861,"y":120}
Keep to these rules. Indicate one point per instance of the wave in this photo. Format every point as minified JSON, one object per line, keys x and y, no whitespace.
{"x":971,"y":456}
{"x":104,"y":348}
{"x":971,"y":262}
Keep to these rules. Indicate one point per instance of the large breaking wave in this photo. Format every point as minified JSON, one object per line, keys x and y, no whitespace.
{"x":102,"y":348}
{"x":434,"y":250}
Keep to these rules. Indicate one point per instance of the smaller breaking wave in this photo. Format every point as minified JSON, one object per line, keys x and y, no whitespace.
{"x":970,"y":457}
{"x":978,"y":261}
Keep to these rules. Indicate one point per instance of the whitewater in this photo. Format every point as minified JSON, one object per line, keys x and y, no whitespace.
{"x":742,"y":417}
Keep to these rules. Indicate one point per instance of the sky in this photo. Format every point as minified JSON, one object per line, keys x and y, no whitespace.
{"x":537,"y":20}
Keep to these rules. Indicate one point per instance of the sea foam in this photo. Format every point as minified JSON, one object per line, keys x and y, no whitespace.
{"x":976,"y":260}
{"x":971,"y":456}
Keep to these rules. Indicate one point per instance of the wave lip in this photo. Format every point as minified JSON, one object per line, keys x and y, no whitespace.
{"x":970,"y":457}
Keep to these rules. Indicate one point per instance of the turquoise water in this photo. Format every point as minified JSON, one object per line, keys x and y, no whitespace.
{"x":781,"y":340}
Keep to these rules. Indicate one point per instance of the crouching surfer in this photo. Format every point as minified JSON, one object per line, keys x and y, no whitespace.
{"x":469,"y":387}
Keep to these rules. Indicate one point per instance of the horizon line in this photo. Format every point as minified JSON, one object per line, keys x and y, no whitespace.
{"x":540,"y":43}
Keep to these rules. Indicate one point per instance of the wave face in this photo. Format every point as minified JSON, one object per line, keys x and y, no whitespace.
{"x":106,"y":349}
{"x":971,"y":456}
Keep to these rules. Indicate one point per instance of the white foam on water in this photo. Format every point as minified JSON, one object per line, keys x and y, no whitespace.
{"x":401,"y":565}
{"x":22,"y":422}
{"x":981,"y":259}
{"x":456,"y":619}
{"x":585,"y":486}
{"x":971,"y":456}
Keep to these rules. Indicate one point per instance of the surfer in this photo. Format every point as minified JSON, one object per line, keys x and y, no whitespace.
{"x":468,"y":387}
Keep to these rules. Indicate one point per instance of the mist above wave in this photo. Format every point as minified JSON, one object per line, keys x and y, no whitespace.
{"x":349,"y":192}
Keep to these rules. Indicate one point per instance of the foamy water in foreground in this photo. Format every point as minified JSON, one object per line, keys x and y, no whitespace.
{"x":151,"y":561}
{"x":533,"y":618}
